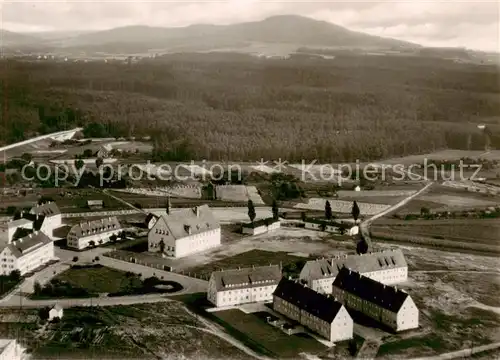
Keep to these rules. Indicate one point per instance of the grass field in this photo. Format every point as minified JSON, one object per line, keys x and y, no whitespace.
{"x":248,"y":259}
{"x":149,"y":331}
{"x":257,"y":333}
{"x":100,"y":279}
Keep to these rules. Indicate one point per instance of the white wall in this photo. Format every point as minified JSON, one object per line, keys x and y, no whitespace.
{"x":196,"y":243}
{"x":35,"y":258}
{"x":342,"y":327}
{"x":84,"y":242}
{"x":408,"y":316}
{"x":231,"y":297}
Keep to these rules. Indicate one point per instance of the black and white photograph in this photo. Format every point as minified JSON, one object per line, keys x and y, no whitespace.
{"x":249,"y":180}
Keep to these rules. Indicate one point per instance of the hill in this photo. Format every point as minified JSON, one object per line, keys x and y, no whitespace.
{"x":9,"y":38}
{"x":286,"y":29}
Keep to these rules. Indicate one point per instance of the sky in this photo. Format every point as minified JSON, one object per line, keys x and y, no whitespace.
{"x":473,"y":24}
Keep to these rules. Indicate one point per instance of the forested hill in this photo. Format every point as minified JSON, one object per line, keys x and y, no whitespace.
{"x":225,"y":106}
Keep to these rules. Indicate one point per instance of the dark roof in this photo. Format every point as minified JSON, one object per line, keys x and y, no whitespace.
{"x":94,"y":227}
{"x":36,"y":219}
{"x":246,"y":277}
{"x":149,"y":217}
{"x":260,"y":222}
{"x":48,"y":209}
{"x":385,"y":296}
{"x":319,"y":305}
{"x":28,"y":243}
{"x":364,"y":263}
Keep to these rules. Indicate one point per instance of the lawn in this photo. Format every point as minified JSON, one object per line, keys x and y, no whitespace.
{"x":100,"y":279}
{"x":265,"y":338}
{"x":291,"y":264}
{"x":7,"y":283}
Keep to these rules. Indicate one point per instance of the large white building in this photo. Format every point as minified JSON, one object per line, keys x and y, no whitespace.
{"x":388,"y":267}
{"x":185,"y":232}
{"x":240,"y":286}
{"x":9,"y":229}
{"x":386,"y":304}
{"x":93,"y":233}
{"x":26,"y":254}
{"x":46,"y":218}
{"x":318,"y":312}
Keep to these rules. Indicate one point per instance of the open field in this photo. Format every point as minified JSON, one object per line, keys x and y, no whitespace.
{"x":249,"y":259}
{"x":152,"y":331}
{"x":456,"y":295}
{"x":341,"y":206}
{"x":239,"y":193}
{"x":100,"y":279}
{"x":266,"y":338}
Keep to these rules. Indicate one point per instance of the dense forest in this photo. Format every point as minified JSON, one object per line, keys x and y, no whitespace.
{"x":237,"y":107}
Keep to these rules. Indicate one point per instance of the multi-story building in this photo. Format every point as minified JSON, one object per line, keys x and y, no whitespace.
{"x":260,"y":226}
{"x":12,"y":227}
{"x":388,"y":267}
{"x":185,"y":232}
{"x":93,"y":233}
{"x":26,"y":254}
{"x":386,"y":304}
{"x":240,"y":286}
{"x":318,"y":312}
{"x":46,"y":218}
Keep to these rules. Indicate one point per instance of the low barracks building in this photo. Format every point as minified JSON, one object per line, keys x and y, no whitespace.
{"x":26,"y":254}
{"x":93,"y":233}
{"x":260,"y":226}
{"x":388,"y":267}
{"x":185,"y":232}
{"x":240,"y":286}
{"x":320,"y":313}
{"x":386,"y":304}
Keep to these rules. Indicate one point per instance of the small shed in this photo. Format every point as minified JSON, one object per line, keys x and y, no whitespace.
{"x":95,"y":204}
{"x":357,"y":188}
{"x":55,"y":312}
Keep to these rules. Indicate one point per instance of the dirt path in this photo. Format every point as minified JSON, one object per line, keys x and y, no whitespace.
{"x":462,"y":353}
{"x":217,"y":331}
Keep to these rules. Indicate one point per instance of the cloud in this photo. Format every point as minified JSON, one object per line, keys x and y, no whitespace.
{"x":472,"y":23}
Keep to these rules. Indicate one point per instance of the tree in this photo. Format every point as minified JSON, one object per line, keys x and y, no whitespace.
{"x":328,"y":210}
{"x":11,"y":210}
{"x":87,"y":153}
{"x":167,"y":205}
{"x":113,"y":238}
{"x":15,"y":275}
{"x":37,"y":288}
{"x":27,"y":157}
{"x":425,"y":211}
{"x":162,"y":246}
{"x":92,"y":243}
{"x":303,"y":216}
{"x":75,"y":258}
{"x":251,"y":211}
{"x":98,"y":162}
{"x":79,"y":164}
{"x":275,"y":210}
{"x":355,"y":211}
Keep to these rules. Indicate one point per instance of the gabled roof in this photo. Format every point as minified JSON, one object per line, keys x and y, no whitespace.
{"x":260,"y":222}
{"x":246,"y":277}
{"x":94,"y":227}
{"x":321,"y":306}
{"x":190,"y":221}
{"x":48,"y":209}
{"x":28,"y":244}
{"x":387,"y":297}
{"x":365,"y":263}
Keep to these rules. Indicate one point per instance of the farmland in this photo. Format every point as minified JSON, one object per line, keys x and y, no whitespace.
{"x":342,"y":206}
